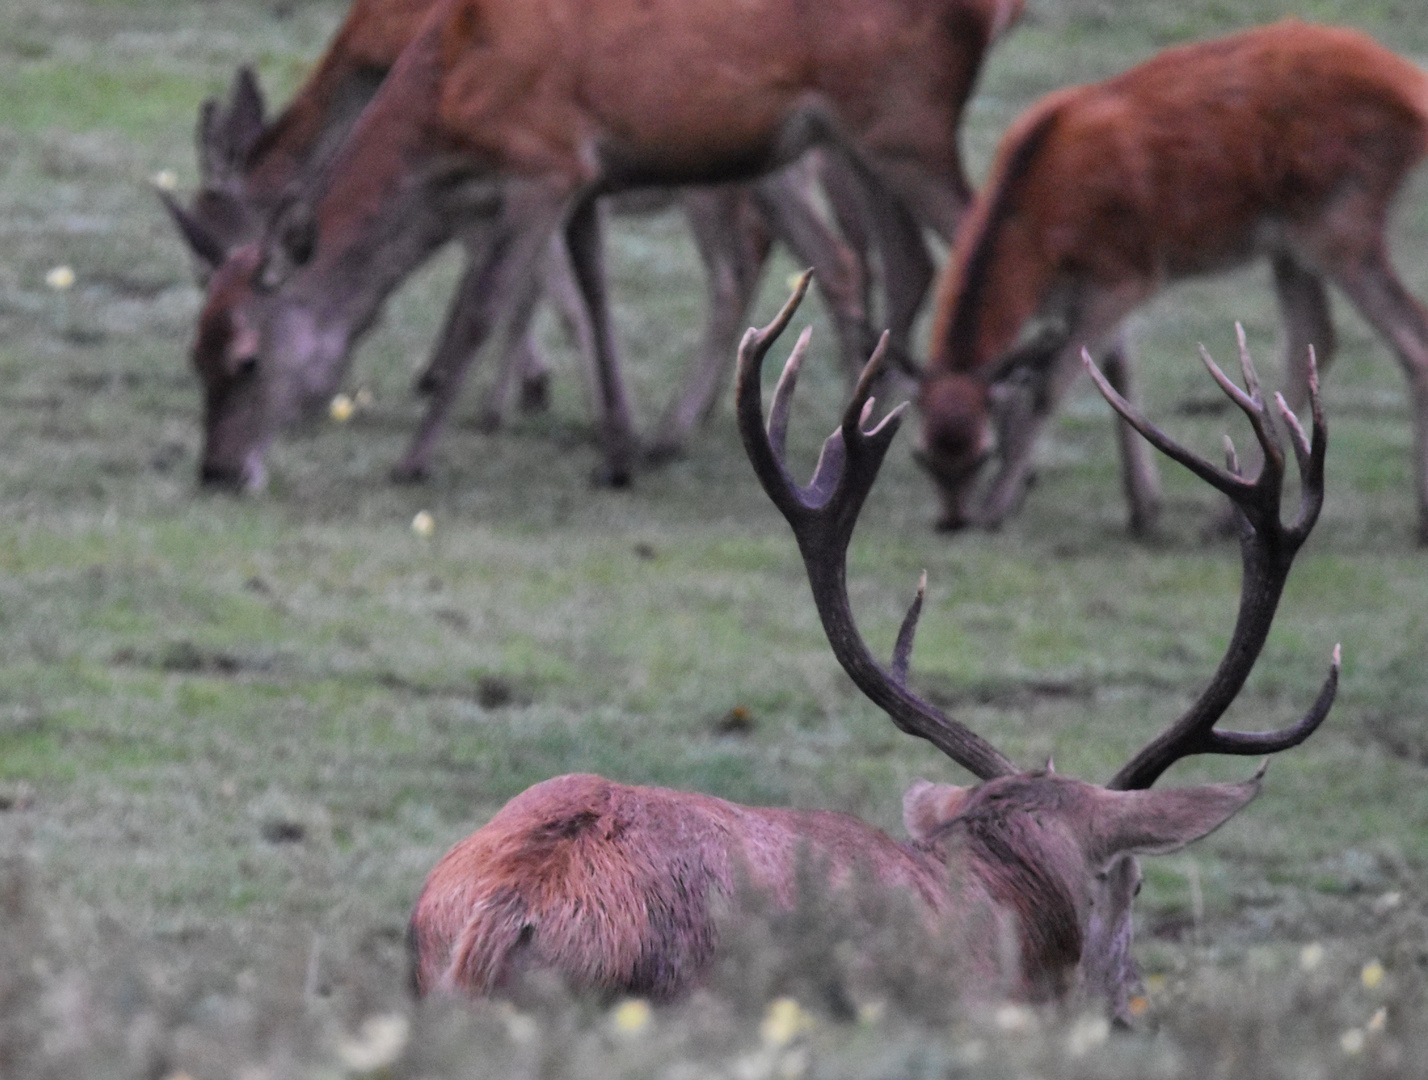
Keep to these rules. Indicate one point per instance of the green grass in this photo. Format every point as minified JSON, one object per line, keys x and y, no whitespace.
{"x":183,"y":677}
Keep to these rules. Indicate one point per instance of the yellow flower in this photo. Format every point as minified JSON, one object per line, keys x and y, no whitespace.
{"x":1311,"y":956}
{"x":1086,"y":1034}
{"x":340,"y":409}
{"x":631,"y":1016}
{"x":378,"y":1043}
{"x":165,"y":179}
{"x":784,"y":1022}
{"x":1371,"y":975}
{"x":423,"y":524}
{"x":60,"y":278}
{"x":872,"y":1012}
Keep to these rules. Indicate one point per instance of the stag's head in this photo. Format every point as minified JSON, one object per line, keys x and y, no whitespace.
{"x":1055,"y":856}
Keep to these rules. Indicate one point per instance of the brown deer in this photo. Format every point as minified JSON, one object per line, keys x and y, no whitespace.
{"x":248,"y":166}
{"x":513,"y":118}
{"x":1288,"y":141}
{"x":614,"y":887}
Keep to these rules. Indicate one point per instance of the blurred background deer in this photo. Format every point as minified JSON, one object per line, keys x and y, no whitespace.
{"x":1288,"y":142}
{"x":672,"y":95}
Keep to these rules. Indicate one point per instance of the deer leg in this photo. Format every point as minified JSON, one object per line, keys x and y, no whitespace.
{"x":848,"y":201}
{"x":907,"y":267}
{"x":522,"y":363}
{"x":734,"y":250}
{"x":1139,"y":477}
{"x":584,"y":240}
{"x":497,"y":282}
{"x":1304,"y":307}
{"x":1402,"y":322}
{"x":442,"y":367}
{"x":1020,"y":411}
{"x":837,"y":270}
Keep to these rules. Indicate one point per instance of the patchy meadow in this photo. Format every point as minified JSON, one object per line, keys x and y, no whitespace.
{"x":235,"y":734}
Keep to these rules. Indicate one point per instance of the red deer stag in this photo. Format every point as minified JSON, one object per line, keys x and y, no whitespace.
{"x":248,"y":166}
{"x":613,"y":886}
{"x":1288,"y":141}
{"x":515,"y":117}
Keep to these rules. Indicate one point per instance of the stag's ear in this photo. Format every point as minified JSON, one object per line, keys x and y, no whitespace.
{"x":202,"y":241}
{"x":290,"y":243}
{"x":227,"y":132}
{"x":926,"y":807}
{"x":1157,"y":821}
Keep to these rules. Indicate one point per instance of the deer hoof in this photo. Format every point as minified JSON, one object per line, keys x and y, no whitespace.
{"x":535,"y":394}
{"x":407,"y":472}
{"x":663,"y":452}
{"x":611,"y":475}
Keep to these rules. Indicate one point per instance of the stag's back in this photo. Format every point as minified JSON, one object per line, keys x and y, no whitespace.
{"x":619,"y":887}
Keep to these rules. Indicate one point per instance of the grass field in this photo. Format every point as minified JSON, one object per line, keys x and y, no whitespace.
{"x":235,"y":734}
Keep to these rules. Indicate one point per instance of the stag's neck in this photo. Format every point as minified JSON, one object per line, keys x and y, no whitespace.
{"x":1017,"y":916}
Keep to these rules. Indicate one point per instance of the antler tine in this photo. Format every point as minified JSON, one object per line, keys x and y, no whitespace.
{"x":1213,"y":475}
{"x":822,"y":516}
{"x":1251,"y":404}
{"x":1267,"y":550}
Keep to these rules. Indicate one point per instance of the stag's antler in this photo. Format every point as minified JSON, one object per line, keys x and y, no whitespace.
{"x":823,"y":515}
{"x":1267,"y":549}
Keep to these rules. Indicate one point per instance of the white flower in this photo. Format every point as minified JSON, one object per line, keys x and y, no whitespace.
{"x":520,"y":1027}
{"x":1311,"y":956}
{"x":1352,"y":1041}
{"x":165,"y":179}
{"x":378,"y":1043}
{"x":60,"y":278}
{"x":423,"y":524}
{"x":341,"y":408}
{"x":1013,"y":1017}
{"x":1086,"y":1034}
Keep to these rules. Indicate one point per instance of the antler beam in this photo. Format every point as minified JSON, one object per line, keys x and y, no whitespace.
{"x":823,"y":514}
{"x":1267,"y":550}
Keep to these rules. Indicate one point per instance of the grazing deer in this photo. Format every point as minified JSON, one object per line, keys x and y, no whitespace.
{"x":248,"y":166}
{"x":515,"y":117}
{"x":614,"y":887}
{"x":1288,"y":141}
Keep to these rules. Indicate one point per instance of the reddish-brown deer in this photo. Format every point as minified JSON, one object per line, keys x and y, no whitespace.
{"x":248,"y":166}
{"x":1289,"y":141}
{"x":516,"y":117}
{"x":614,"y":887}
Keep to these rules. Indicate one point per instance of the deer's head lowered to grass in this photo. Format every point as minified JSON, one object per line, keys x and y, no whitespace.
{"x":506,"y":120}
{"x":1287,"y":141}
{"x":615,"y":887}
